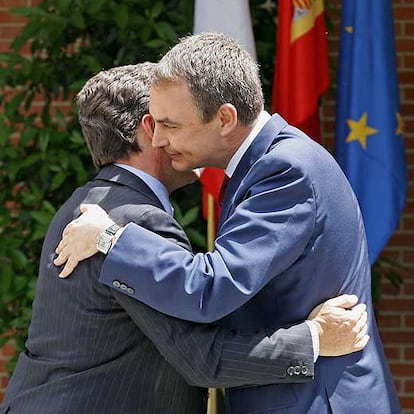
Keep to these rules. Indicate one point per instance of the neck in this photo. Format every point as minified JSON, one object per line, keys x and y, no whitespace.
{"x":235,"y":140}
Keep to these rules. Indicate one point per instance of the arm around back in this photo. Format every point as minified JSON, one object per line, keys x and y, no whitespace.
{"x":208,"y":355}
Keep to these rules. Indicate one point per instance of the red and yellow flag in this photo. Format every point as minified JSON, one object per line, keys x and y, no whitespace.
{"x":301,"y":72}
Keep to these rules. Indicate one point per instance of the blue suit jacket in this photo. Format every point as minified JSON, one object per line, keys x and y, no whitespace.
{"x":290,"y":236}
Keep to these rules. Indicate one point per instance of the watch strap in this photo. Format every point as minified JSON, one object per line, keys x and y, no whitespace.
{"x":112,"y":229}
{"x":105,"y":239}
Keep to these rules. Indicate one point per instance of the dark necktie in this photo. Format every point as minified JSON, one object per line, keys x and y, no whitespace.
{"x":223,"y":189}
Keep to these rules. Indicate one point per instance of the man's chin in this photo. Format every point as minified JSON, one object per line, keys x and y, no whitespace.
{"x":181,"y":167}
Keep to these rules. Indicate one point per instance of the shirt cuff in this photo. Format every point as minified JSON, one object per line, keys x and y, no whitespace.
{"x":315,"y":339}
{"x":117,"y":235}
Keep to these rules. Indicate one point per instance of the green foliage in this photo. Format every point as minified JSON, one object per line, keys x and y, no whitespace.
{"x":42,"y":153}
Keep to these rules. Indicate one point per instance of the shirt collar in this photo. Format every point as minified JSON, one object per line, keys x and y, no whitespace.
{"x":155,"y":185}
{"x":235,"y":159}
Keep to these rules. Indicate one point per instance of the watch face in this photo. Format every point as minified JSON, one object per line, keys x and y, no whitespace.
{"x":103,"y":242}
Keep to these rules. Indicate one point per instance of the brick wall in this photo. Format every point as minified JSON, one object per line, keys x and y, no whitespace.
{"x":396,"y":311}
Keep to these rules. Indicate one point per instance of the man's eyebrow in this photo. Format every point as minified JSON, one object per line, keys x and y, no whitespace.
{"x":165,"y":121}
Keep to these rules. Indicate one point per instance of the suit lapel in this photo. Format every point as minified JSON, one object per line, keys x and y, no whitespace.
{"x":260,"y":145}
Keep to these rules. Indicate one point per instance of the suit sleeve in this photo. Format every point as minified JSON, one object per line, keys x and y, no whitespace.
{"x":267,"y":232}
{"x":207,"y":355}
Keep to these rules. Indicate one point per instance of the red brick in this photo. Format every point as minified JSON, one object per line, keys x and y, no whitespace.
{"x":409,"y":256}
{"x":393,"y":353}
{"x":389,"y":320}
{"x":408,"y":91}
{"x":409,"y":354}
{"x":402,"y":370}
{"x":407,"y":108}
{"x":409,"y":29}
{"x":397,"y":304}
{"x":7,"y":350}
{"x":406,"y":76}
{"x":8,"y":17}
{"x":409,"y":288}
{"x":409,"y":221}
{"x":404,"y":13}
{"x":409,"y":321}
{"x":4,"y":380}
{"x":406,"y":239}
{"x":407,"y":402}
{"x":387,"y":289}
{"x":397,"y":337}
{"x":409,"y":386}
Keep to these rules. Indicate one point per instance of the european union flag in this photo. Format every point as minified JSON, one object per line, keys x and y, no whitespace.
{"x":369,"y":141}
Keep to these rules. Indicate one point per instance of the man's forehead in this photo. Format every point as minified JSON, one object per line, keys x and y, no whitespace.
{"x":170,"y":98}
{"x":177,"y":83}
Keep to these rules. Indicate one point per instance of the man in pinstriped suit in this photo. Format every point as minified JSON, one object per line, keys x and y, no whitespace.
{"x":84,"y":352}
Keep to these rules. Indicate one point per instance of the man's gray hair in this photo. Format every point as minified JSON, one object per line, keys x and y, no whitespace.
{"x":216,"y":70}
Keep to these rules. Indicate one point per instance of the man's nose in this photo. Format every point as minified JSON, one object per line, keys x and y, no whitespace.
{"x":159,"y":139}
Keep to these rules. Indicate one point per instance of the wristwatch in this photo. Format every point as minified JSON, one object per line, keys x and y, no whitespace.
{"x":104,"y":240}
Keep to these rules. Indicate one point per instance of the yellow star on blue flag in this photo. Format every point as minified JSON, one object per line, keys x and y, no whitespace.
{"x":360,"y":130}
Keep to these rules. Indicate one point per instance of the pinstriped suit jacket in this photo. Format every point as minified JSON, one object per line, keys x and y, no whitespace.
{"x":85,"y":353}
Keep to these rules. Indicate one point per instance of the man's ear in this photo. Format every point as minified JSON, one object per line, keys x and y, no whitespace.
{"x":148,"y":125}
{"x":227,"y":115}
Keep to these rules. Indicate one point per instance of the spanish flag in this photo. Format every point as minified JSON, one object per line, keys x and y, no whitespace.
{"x":301,"y":71}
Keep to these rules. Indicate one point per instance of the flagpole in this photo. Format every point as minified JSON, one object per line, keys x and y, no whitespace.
{"x":211,"y":235}
{"x":211,"y":225}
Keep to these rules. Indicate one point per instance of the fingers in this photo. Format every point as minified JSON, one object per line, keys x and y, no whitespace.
{"x":343,"y":301}
{"x":315,"y":312}
{"x":342,"y":326}
{"x":361,"y":328}
{"x":361,"y":317}
{"x":61,"y":258}
{"x":65,"y":238}
{"x":358,"y":318}
{"x":65,"y":257}
{"x":59,"y":248}
{"x":68,"y":228}
{"x":84,"y":208}
{"x":352,"y":317}
{"x":361,"y":333}
{"x":68,"y":268}
{"x":361,"y":343}
{"x":359,"y":309}
{"x":94,"y":209}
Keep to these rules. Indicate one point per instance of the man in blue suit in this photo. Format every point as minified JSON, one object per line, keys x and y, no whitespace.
{"x":290,"y":233}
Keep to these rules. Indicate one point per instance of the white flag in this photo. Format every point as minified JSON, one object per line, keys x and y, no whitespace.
{"x":231,"y":17}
